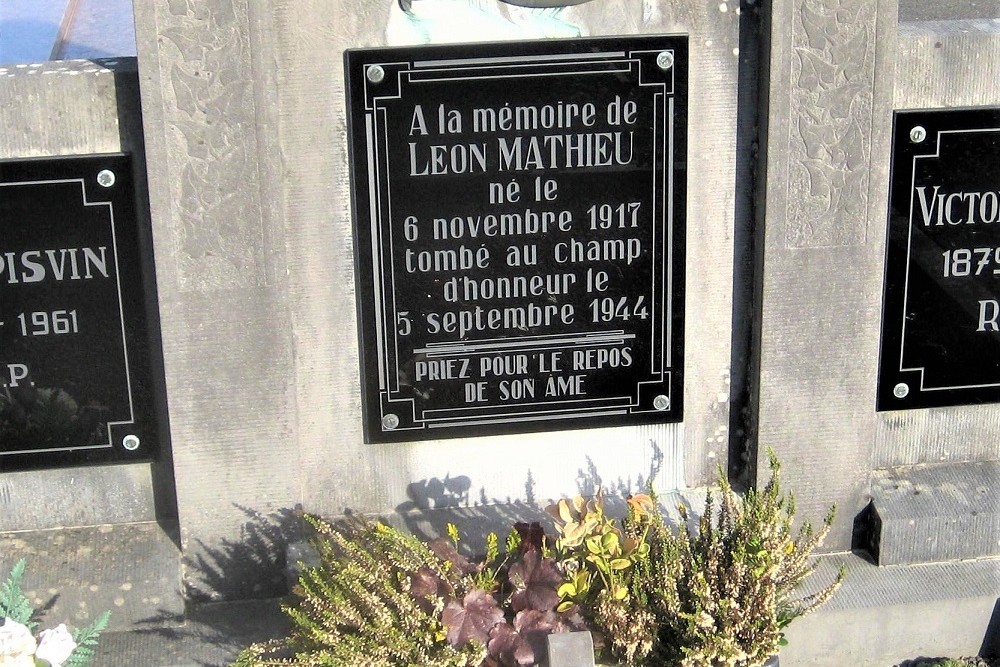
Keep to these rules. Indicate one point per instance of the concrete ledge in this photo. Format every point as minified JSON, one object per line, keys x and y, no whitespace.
{"x":884,"y":616}
{"x":937,"y":513}
{"x":881,"y":617}
{"x":74,"y":574}
{"x":212,"y":636}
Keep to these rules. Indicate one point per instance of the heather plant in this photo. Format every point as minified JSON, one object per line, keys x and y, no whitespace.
{"x":721,"y":596}
{"x":380,"y":598}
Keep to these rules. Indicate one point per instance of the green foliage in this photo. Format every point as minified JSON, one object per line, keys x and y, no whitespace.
{"x":356,"y":608}
{"x":380,"y":598}
{"x":594,"y":552}
{"x":16,"y":606}
{"x":13,"y":603}
{"x":86,"y":641}
{"x":600,"y":558}
{"x":720,"y":597}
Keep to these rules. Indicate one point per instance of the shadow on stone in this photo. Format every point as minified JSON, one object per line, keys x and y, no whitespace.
{"x":212,"y":636}
{"x":251,"y":567}
{"x":991,"y":641}
{"x":866,"y":534}
{"x":435,"y":502}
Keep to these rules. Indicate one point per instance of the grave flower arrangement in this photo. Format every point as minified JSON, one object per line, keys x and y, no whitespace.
{"x":381,"y":598}
{"x":54,"y":647}
{"x":718,"y":596}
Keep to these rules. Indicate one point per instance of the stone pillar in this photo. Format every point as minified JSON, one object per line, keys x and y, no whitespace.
{"x":245,"y":121}
{"x":207,"y":76}
{"x":820,"y":283}
{"x":96,"y":107}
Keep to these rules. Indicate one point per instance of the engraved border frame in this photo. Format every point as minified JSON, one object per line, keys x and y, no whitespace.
{"x":134,"y":294}
{"x":902,"y":386}
{"x":371,"y":197}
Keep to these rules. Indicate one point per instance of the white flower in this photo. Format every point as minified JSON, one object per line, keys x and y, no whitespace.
{"x":55,"y":645}
{"x":16,"y":645}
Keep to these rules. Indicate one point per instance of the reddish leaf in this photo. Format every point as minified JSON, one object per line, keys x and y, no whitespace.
{"x":425,"y":585}
{"x":509,"y":649}
{"x":570,"y":621}
{"x":531,"y":535}
{"x":534,"y":626}
{"x":445,"y":549}
{"x":535,"y":581}
{"x":426,"y":582}
{"x":471,"y":619}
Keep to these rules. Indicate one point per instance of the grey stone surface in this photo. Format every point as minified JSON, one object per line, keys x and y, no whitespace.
{"x":820,"y":289}
{"x":943,"y":64}
{"x":211,"y":636}
{"x":885,"y":615}
{"x":77,"y":108}
{"x":245,"y":128}
{"x":74,"y":574}
{"x":207,"y":79}
{"x":823,"y":245}
{"x":881,"y":617}
{"x":938,"y":512}
{"x":571,"y":649}
{"x":937,"y":10}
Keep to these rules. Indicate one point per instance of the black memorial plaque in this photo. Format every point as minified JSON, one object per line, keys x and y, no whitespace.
{"x":941,"y":309}
{"x":75,"y":379}
{"x":519,"y":234}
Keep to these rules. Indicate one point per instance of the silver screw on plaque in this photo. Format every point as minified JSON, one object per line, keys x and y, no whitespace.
{"x":130,"y":442}
{"x":661,"y":402}
{"x":901,"y":390}
{"x":106,"y":178}
{"x":375,"y":73}
{"x":918,"y":134}
{"x":665,"y":60}
{"x":390,"y":421}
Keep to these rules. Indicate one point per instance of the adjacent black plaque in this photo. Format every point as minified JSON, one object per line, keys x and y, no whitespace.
{"x":75,"y":381}
{"x":941,"y":316}
{"x":519,"y":229}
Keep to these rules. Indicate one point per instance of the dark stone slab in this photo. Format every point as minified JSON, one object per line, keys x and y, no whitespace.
{"x":75,"y":378}
{"x":941,"y":310}
{"x":519,"y":229}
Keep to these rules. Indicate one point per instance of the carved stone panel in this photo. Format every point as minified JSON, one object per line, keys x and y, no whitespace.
{"x":207,"y":81}
{"x":831,"y":122}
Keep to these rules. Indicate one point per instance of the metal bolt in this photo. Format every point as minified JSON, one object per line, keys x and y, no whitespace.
{"x":665,"y":60}
{"x":375,"y":73}
{"x":106,"y":178}
{"x":390,"y":421}
{"x":918,"y":134}
{"x":130,"y":442}
{"x":901,"y":390}
{"x":661,"y":402}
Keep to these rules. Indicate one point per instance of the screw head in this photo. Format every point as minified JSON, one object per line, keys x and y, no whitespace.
{"x":131,"y":442}
{"x":665,"y":60}
{"x":901,"y":390}
{"x":918,"y":134}
{"x":375,"y":73}
{"x":106,"y":178}
{"x":390,"y":422}
{"x":661,"y":402}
